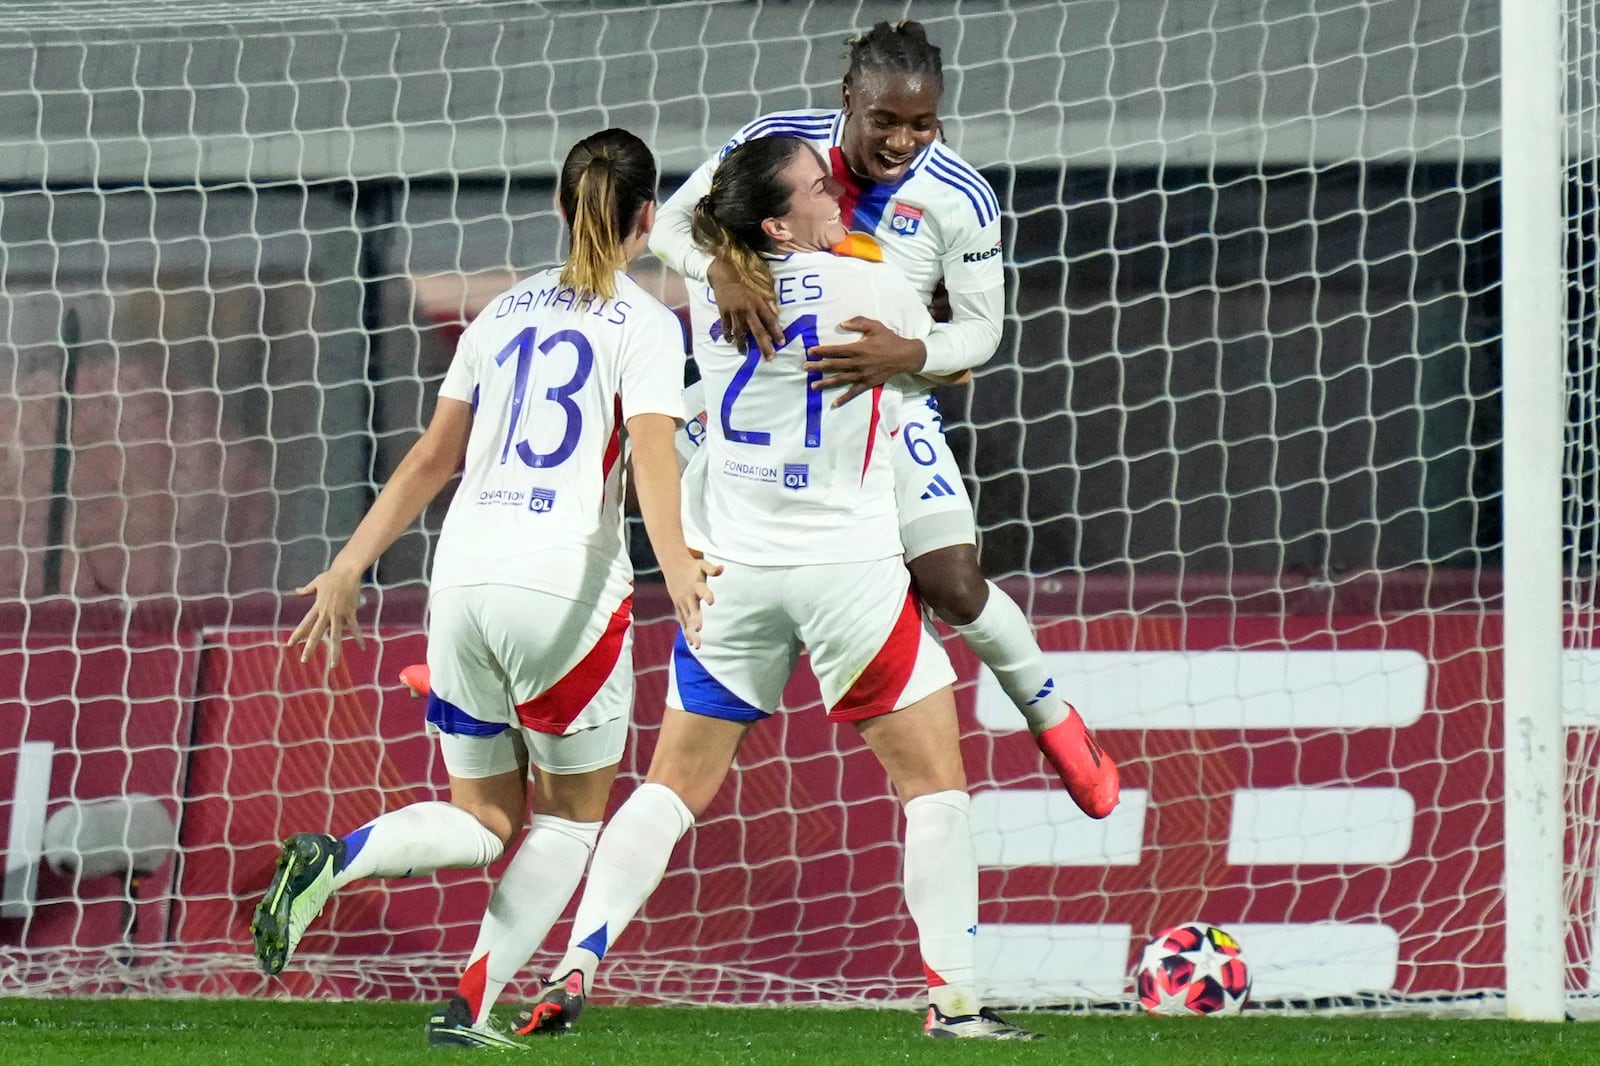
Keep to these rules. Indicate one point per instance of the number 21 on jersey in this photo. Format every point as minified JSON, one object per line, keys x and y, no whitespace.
{"x":803,"y":328}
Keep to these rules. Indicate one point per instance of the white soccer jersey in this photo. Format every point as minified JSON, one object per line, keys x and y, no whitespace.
{"x":552,"y":380}
{"x":941,"y":220}
{"x":784,"y":478}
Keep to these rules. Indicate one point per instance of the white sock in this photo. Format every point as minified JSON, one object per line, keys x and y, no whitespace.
{"x":629,"y":862}
{"x":941,"y":875}
{"x":418,"y":839}
{"x":1005,"y":642}
{"x":530,"y":896}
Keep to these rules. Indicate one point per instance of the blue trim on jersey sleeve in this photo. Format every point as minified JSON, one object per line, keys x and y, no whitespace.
{"x":958,"y":172}
{"x":819,"y":136}
{"x":705,"y":695}
{"x":810,"y":115}
{"x":979,"y":202}
{"x":458,"y":723}
{"x":960,"y":166}
{"x":811,"y":127}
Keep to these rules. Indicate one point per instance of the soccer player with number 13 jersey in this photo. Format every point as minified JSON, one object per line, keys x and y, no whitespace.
{"x":530,"y":622}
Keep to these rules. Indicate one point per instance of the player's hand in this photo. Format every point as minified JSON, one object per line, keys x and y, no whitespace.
{"x":747,"y":314}
{"x":338,"y":593}
{"x":863,"y":365}
{"x":688,"y":583}
{"x":939,"y":303}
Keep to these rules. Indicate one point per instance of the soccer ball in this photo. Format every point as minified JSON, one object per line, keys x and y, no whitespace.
{"x":1192,"y":968}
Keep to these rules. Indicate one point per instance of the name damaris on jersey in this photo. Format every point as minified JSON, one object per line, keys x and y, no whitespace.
{"x":539,"y":501}
{"x":614,"y":312}
{"x":792,"y":475}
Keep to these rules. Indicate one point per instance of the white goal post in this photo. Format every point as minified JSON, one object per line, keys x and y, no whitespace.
{"x":1288,"y":450}
{"x":1533,"y":361}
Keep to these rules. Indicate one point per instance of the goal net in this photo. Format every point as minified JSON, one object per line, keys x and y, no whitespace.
{"x":1238,"y":455}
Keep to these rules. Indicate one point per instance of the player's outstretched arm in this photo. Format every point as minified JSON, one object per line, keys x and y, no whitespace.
{"x":426,"y":469}
{"x":655,"y":466}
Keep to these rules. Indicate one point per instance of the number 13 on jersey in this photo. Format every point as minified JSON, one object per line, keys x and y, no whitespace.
{"x":524,"y":346}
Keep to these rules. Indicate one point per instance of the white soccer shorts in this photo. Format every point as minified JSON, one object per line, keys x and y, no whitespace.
{"x":521,"y":675}
{"x":935,"y":511}
{"x":858,"y":622}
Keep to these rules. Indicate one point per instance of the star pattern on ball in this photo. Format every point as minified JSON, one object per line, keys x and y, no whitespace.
{"x":1203,"y":979}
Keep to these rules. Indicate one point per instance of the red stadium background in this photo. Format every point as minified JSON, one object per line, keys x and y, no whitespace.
{"x":794,"y":872}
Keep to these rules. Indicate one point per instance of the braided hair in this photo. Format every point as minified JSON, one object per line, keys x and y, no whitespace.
{"x":901,"y":48}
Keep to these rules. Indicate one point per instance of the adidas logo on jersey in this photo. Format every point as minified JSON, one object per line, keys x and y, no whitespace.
{"x":938,"y":487}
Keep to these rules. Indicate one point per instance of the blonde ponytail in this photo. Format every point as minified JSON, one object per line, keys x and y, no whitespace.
{"x":596,"y":255}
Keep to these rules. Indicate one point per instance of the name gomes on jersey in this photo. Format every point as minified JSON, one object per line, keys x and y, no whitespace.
{"x":792,"y":289}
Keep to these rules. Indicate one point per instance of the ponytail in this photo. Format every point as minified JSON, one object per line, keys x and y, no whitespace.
{"x":746,"y":190}
{"x":596,"y":253}
{"x":717,"y":241}
{"x":606,"y":181}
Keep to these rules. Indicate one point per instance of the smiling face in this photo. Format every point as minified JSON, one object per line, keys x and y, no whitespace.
{"x":812,"y":222}
{"x":889,"y":118}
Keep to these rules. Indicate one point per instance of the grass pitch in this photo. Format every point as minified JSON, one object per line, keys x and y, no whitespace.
{"x":88,"y":1032}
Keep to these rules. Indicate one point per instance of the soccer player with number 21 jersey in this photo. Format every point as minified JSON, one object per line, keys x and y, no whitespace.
{"x":793,"y":496}
{"x":932,"y":217}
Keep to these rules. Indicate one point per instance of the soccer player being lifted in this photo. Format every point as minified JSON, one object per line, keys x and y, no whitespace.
{"x":934,"y":218}
{"x":530,"y":620}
